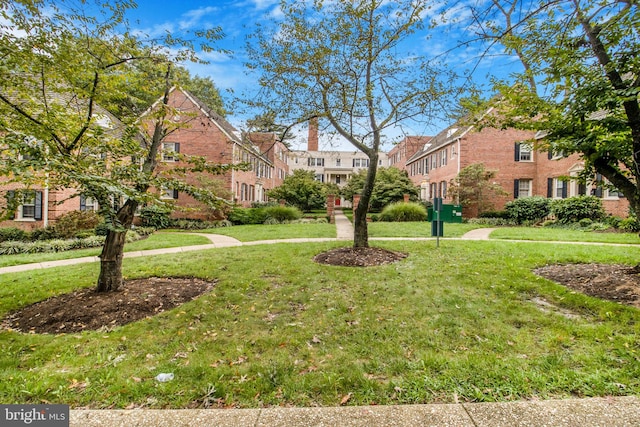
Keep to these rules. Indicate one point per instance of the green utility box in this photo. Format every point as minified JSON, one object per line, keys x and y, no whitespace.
{"x":448,"y":213}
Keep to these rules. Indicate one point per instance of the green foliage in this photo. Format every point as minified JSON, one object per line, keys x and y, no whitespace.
{"x":301,"y":190}
{"x":390,"y":186}
{"x":58,"y":245}
{"x":196,"y":224}
{"x":473,"y":187}
{"x":528,"y":209}
{"x":283,"y":213}
{"x":630,"y":224}
{"x":495,"y":214}
{"x":245,"y":216}
{"x":69,"y":224}
{"x":156,"y":216}
{"x":403,"y":212}
{"x":492,"y":221}
{"x":13,"y":234}
{"x":574,"y":209}
{"x":579,"y":85}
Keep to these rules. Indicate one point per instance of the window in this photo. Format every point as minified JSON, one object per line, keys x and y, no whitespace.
{"x":338,"y":179}
{"x":443,"y":189}
{"x":311,"y":161}
{"x":320,"y":177}
{"x":453,"y":151}
{"x":30,"y":208}
{"x":169,"y":150}
{"x":88,"y":204}
{"x":434,"y":162}
{"x":337,"y":162}
{"x":557,"y":188}
{"x":443,"y":158}
{"x":522,"y":188}
{"x":523,"y":152}
{"x":360,"y":163}
{"x":169,"y":193}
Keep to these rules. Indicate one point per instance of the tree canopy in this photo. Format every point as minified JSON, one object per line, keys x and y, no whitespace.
{"x":301,"y":190}
{"x":347,"y":64}
{"x":581,"y":81}
{"x":72,"y":90}
{"x":390,"y":186}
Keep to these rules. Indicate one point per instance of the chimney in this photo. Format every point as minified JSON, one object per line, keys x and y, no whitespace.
{"x":312,"y":143}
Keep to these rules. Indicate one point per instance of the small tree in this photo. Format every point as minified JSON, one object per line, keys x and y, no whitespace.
{"x":66,"y":79}
{"x":348,"y":63}
{"x":390,"y":186}
{"x":301,"y":190}
{"x":473,"y":188}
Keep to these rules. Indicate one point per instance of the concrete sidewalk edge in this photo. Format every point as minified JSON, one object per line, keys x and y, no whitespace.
{"x":605,"y":412}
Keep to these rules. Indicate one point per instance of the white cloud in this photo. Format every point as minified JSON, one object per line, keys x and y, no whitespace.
{"x":193,"y":17}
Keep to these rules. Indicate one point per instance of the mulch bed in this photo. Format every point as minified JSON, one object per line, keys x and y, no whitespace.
{"x":359,"y":257}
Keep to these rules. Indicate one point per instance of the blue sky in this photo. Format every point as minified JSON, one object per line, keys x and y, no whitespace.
{"x":238,"y":18}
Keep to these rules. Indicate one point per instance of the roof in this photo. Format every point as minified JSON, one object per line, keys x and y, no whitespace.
{"x":453,"y":132}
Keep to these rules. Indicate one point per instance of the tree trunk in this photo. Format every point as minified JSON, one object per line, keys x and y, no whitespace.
{"x":110,"y":278}
{"x":361,"y":232}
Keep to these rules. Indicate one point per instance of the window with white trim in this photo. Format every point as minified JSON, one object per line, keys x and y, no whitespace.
{"x":524,"y":152}
{"x":88,"y":204}
{"x":169,"y":151}
{"x":523,"y":188}
{"x":360,"y":163}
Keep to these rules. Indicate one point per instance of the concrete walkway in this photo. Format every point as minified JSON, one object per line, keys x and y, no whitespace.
{"x":605,"y":412}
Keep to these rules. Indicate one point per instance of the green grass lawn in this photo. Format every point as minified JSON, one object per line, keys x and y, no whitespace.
{"x":556,"y":234}
{"x":447,"y":324}
{"x":416,"y":229}
{"x":154,"y":241}
{"x":252,"y":233}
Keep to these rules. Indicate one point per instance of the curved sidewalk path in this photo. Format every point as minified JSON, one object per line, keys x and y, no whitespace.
{"x":605,"y":412}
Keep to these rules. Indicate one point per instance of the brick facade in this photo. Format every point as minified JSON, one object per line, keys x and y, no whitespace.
{"x":521,"y":170}
{"x":204,"y":133}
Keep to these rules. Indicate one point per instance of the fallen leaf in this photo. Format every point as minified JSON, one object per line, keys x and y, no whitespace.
{"x":345,"y":399}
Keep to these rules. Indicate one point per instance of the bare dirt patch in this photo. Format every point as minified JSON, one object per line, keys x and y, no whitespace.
{"x":619,"y":283}
{"x":359,"y":257}
{"x":87,"y":309}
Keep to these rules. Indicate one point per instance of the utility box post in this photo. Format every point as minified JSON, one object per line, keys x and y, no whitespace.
{"x":437,"y":228}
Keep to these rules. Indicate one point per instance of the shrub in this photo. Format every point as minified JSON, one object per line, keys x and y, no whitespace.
{"x":69,"y":224}
{"x":495,"y":214}
{"x":283,"y":213}
{"x":46,"y":233}
{"x":244,"y":216}
{"x":630,"y":224}
{"x":574,"y":209}
{"x":403,"y":212}
{"x":585,"y":222}
{"x":13,"y":234}
{"x":155,"y":216}
{"x":492,"y":221}
{"x":532,"y":209}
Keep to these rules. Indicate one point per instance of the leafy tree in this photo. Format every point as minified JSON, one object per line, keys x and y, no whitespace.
{"x":390,"y":186}
{"x":346,"y":63}
{"x":266,"y":122}
{"x":301,"y":190}
{"x":63,"y":76}
{"x":474,"y":188}
{"x":580,"y":84}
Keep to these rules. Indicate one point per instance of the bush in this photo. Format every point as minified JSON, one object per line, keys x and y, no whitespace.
{"x":494,"y":222}
{"x":574,"y":209}
{"x":403,"y":212}
{"x":155,"y":216}
{"x":46,"y":233}
{"x":629,"y":224}
{"x":283,"y":213}
{"x":495,"y":214}
{"x":244,"y":216}
{"x":58,"y":245}
{"x":13,"y":234}
{"x":528,"y":209}
{"x":69,"y":224}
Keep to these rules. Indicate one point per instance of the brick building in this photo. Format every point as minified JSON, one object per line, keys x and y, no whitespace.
{"x":331,"y":167}
{"x":521,"y":170}
{"x":405,"y":149}
{"x":204,"y":133}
